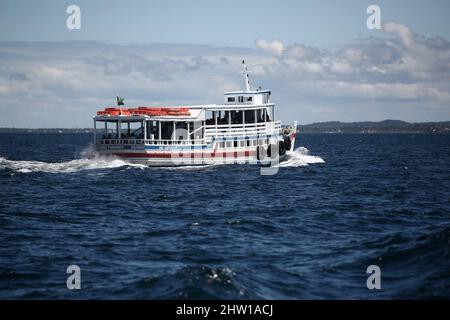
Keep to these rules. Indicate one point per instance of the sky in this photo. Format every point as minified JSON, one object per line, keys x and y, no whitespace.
{"x":318,"y":57}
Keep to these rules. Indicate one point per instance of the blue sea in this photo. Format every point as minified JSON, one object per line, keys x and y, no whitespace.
{"x":343,"y":202}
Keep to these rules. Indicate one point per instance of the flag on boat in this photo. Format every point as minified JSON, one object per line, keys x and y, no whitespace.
{"x":120,"y":101}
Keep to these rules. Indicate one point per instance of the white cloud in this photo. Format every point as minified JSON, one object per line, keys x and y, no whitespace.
{"x":406,"y":35}
{"x":274,"y":47}
{"x":301,"y":52}
{"x":403,"y":66}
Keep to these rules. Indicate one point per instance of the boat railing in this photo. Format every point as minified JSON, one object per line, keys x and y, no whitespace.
{"x":120,"y":141}
{"x":242,"y":129}
{"x":184,"y":142}
{"x":159,"y":142}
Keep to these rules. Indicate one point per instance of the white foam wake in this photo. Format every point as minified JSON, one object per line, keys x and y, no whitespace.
{"x":300,"y":157}
{"x":64,"y":167}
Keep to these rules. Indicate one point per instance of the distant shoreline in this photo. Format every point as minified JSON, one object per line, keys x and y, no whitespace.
{"x":330,"y":127}
{"x":370,"y":127}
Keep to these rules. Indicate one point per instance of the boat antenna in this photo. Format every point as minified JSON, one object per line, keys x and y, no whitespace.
{"x":247,"y":80}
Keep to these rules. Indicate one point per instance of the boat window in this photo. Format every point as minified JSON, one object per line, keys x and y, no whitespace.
{"x":223,"y":117}
{"x":235,"y":144}
{"x":242,"y":144}
{"x":231,"y":99}
{"x":236,"y":117}
{"x":182,"y":133}
{"x":267,"y":115}
{"x":166,"y":130}
{"x":249,"y":116}
{"x":260,"y":115}
{"x":249,"y":99}
{"x":152,"y":130}
{"x":209,"y":116}
{"x":229,"y":144}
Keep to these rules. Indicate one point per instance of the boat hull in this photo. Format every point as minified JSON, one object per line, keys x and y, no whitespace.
{"x":198,"y":155}
{"x":188,"y":158}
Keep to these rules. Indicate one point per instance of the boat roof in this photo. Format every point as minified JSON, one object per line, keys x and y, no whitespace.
{"x":247,"y":92}
{"x":195,"y":113}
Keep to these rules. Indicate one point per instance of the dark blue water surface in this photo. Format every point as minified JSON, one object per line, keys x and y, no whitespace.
{"x":308,"y":232}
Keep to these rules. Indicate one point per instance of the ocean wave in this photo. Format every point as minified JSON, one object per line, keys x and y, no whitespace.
{"x":64,"y":167}
{"x":300,"y":157}
{"x":192,"y":282}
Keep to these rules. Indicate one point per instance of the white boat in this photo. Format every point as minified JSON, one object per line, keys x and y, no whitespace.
{"x":241,"y":130}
